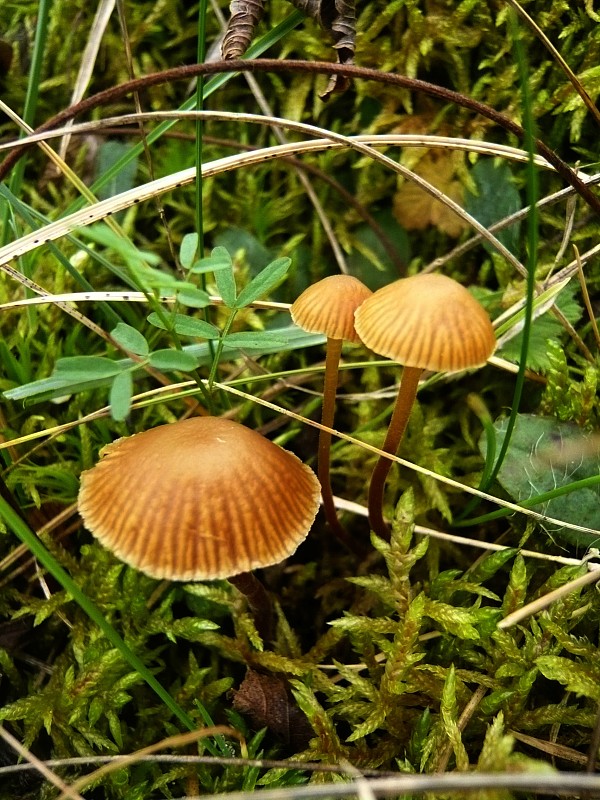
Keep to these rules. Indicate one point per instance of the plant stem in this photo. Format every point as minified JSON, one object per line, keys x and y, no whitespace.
{"x":219,"y":349}
{"x":332,"y":360}
{"x":402,"y":408}
{"x":258,"y":600}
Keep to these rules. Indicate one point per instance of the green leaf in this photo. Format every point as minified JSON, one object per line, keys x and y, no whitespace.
{"x":218,"y":260}
{"x":537,"y":462}
{"x":255,"y":339}
{"x":496,"y":197}
{"x":516,"y":591}
{"x":225,"y":281}
{"x":544,"y":328}
{"x":186,"y":326}
{"x":456,"y":621}
{"x":188,"y":250}
{"x":194,"y":298}
{"x":120,"y":395}
{"x":131,"y":255}
{"x":150,"y":278}
{"x":583,"y":679}
{"x":130,"y":338}
{"x":79,"y":368}
{"x":490,"y":564}
{"x":109,"y":153}
{"x":192,"y":629}
{"x":449,"y":714}
{"x":262,"y":284}
{"x":59,"y":385}
{"x":173,"y":359}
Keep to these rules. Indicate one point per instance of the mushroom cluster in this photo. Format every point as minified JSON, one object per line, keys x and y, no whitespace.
{"x":425,"y":322}
{"x":208,"y":498}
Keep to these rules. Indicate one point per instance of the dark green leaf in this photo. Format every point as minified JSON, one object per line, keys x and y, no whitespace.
{"x":266,"y":280}
{"x":121,"y":392}
{"x":130,"y":338}
{"x":536,"y":462}
{"x":544,"y":328}
{"x":496,"y":198}
{"x":173,"y":359}
{"x":491,"y":563}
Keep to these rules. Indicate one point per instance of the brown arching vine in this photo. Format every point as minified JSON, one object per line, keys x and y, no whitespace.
{"x":317,"y":68}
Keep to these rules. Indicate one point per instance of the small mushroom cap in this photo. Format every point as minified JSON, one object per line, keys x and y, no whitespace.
{"x":201,"y":499}
{"x":328,"y":307}
{"x":428,"y":322}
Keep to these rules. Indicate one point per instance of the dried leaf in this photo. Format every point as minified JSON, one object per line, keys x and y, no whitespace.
{"x":245,"y":16}
{"x":339,"y":18}
{"x":268,"y":703}
{"x":415,"y":209}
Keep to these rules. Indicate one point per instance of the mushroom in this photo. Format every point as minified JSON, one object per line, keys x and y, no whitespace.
{"x":201,"y":499}
{"x":424,"y":322}
{"x":328,"y":307}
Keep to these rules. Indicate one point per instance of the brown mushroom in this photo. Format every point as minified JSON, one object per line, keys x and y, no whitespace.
{"x":424,"y":322}
{"x":200,"y":499}
{"x":328,"y":307}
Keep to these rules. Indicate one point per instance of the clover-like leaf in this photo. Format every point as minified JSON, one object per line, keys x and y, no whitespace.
{"x":173,"y":359}
{"x":266,"y":280}
{"x":188,"y":250}
{"x":89,"y":368}
{"x":120,"y":395}
{"x":130,"y":339}
{"x":186,"y":326}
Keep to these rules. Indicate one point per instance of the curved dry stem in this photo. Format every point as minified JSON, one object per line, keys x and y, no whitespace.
{"x":402,"y":408}
{"x":314,"y":67}
{"x":103,"y":208}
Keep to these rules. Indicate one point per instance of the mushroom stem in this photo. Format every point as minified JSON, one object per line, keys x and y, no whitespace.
{"x":407,"y":392}
{"x":258,"y":600}
{"x":332,"y":360}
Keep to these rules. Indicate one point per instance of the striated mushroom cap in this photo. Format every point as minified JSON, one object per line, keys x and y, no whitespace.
{"x":427,"y":321}
{"x":201,"y":499}
{"x":328,"y":307}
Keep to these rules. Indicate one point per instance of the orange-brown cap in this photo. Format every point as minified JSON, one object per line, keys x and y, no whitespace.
{"x":328,"y":307}
{"x":201,"y":499}
{"x":427,"y":321}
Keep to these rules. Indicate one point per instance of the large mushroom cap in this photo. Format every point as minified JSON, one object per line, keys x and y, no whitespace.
{"x":427,"y":321}
{"x":201,"y":499}
{"x":328,"y":307}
